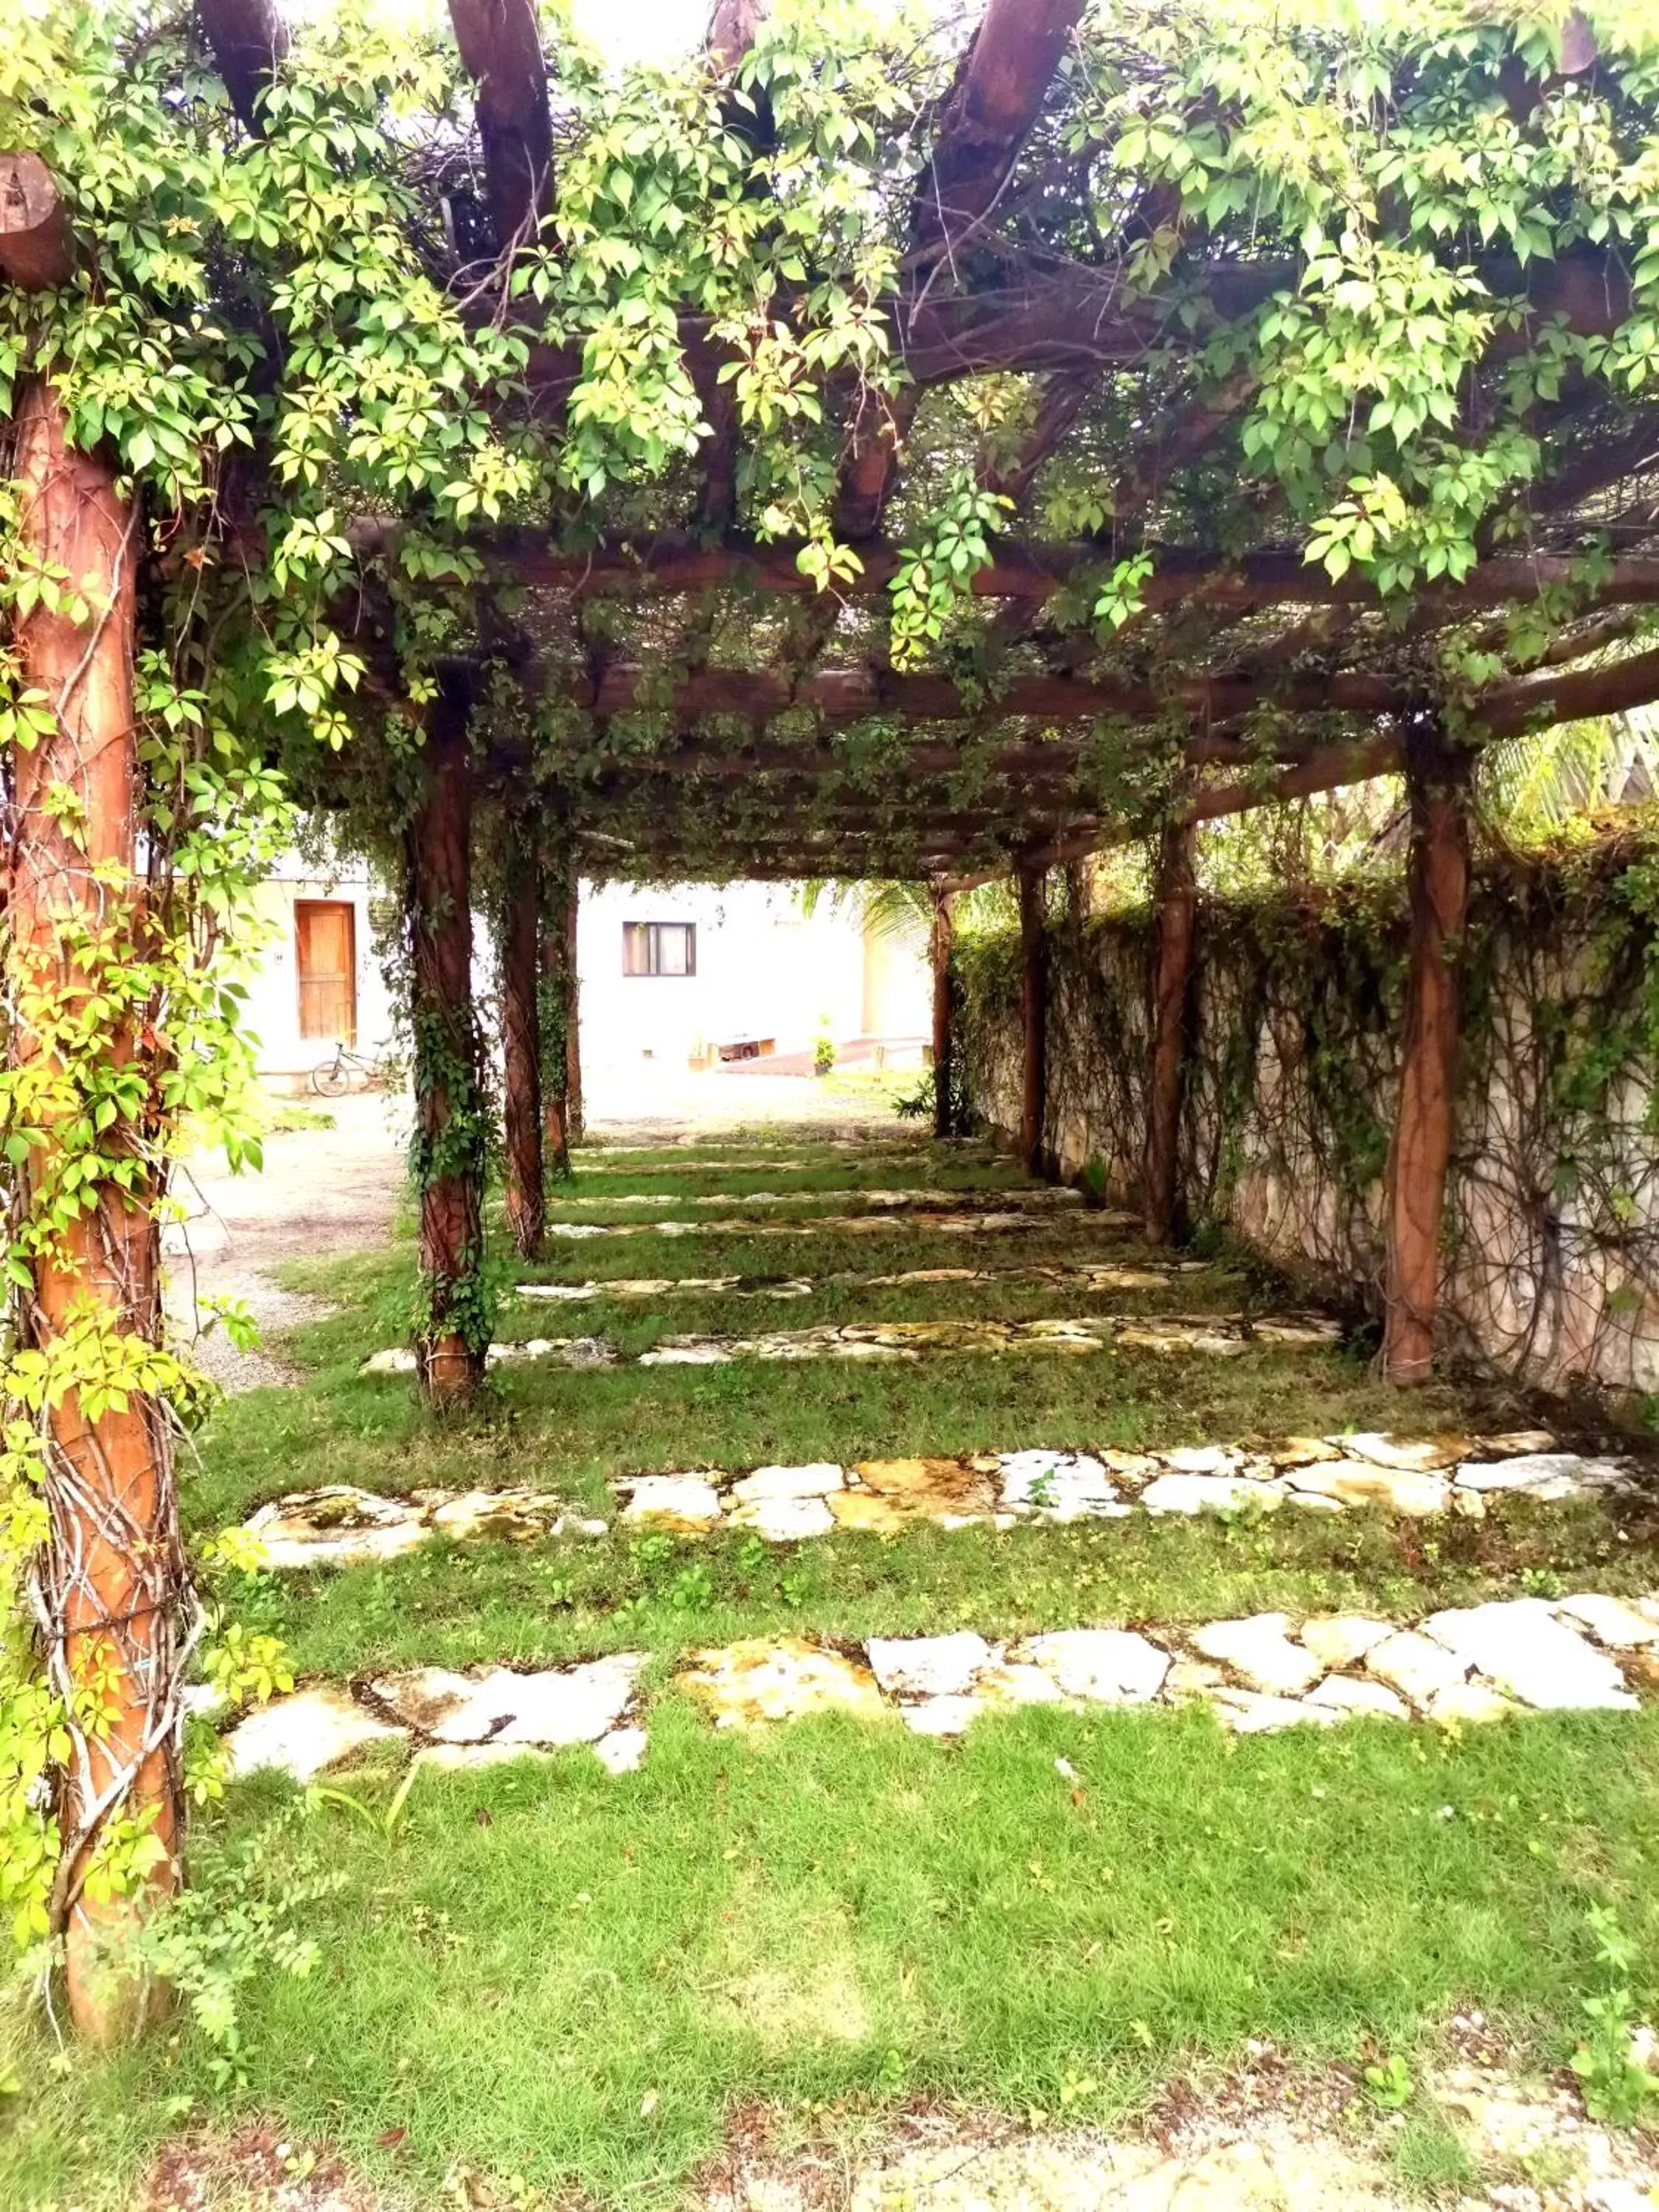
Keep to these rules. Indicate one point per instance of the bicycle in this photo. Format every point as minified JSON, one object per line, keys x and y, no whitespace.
{"x":348,"y":1071}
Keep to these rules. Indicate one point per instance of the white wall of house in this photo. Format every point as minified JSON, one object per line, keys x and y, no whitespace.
{"x":765,"y":972}
{"x":285,"y":1054}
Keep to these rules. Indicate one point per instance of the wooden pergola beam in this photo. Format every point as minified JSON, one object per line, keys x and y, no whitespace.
{"x":37,"y":252}
{"x":1329,"y":770}
{"x":1035,"y":572}
{"x":1071,"y":316}
{"x":857,"y":694}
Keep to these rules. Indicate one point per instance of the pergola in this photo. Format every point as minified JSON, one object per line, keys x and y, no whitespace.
{"x":696,"y":695}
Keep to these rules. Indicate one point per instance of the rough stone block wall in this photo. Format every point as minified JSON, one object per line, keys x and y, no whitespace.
{"x":1550,"y":1246}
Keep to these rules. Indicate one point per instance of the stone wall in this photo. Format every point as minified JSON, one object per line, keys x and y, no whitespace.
{"x":1551,"y":1239}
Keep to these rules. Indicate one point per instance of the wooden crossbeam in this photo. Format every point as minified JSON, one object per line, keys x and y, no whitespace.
{"x":1034,"y":571}
{"x":1326,"y":770}
{"x":848,"y":695}
{"x":36,"y":250}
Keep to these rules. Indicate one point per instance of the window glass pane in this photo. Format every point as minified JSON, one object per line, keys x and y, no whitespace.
{"x":636,"y":948}
{"x":673,"y":949}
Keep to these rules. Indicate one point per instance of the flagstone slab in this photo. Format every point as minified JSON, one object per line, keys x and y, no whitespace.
{"x":816,"y":1479}
{"x":944,"y":1714}
{"x":778,"y":1678}
{"x":305,"y":1734}
{"x":1545,"y":1476}
{"x":1464,"y":1667}
{"x":1339,"y":1639}
{"x":1612,"y":1622}
{"x":1209,"y":1494}
{"x":1107,"y":1666}
{"x":1363,"y":1482}
{"x":1523,"y":1649}
{"x":1356,"y":1693}
{"x":1256,"y":1712}
{"x":1411,"y":1455}
{"x":785,"y":1520}
{"x":552,"y":1707}
{"x":1059,"y":1486}
{"x":1415,"y":1665}
{"x":336,"y":1525}
{"x":341,"y":1524}
{"x":928,"y":1666}
{"x":684,"y":1501}
{"x":1260,"y":1650}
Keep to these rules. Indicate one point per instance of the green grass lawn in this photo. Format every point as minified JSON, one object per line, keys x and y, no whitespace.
{"x":547,"y":1972}
{"x":551,"y":1974}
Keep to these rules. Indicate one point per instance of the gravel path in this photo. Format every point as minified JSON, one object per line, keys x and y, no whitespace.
{"x":322,"y":1191}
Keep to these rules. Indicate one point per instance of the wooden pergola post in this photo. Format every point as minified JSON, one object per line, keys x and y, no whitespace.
{"x":113,"y":1581}
{"x":449,"y":1149}
{"x":1437,"y":781}
{"x":1034,"y":1015}
{"x":553,"y":925}
{"x":940,"y":944}
{"x":1176,"y":896}
{"x":575,"y":1119}
{"x":521,"y":1048}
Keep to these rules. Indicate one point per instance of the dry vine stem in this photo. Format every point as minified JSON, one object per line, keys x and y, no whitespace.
{"x":111,"y":1590}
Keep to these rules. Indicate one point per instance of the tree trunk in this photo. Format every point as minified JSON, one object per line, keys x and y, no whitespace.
{"x":576,"y":1117}
{"x":1437,"y":776}
{"x":1177,"y":911}
{"x":1033,"y":1016}
{"x":113,"y":1584}
{"x":449,"y":1148}
{"x":521,"y":1055}
{"x":944,"y":1074}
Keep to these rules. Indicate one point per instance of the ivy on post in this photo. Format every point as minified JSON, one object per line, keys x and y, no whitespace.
{"x":1176,"y":898}
{"x":109,"y":1589}
{"x":553,"y":975}
{"x":939,"y":947}
{"x":521,"y":1044}
{"x":1438,"y":781}
{"x":1034,"y":1015}
{"x":450,"y":1145}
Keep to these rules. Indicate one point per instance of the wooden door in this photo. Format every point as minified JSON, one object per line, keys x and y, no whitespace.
{"x":325,"y":939}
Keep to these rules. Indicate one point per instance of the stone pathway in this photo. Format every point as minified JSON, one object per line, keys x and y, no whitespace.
{"x":1000,"y":1222}
{"x":1221,"y":1336}
{"x":1147,"y":1275}
{"x":1016,"y":1198}
{"x":343,"y":1526}
{"x":1465,"y":1666}
{"x":610,"y":1160}
{"x":1267,"y":2137}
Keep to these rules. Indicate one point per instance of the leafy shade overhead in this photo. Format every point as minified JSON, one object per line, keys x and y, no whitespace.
{"x":853,"y":450}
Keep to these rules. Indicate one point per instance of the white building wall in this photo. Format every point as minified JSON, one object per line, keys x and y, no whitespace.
{"x":765,"y":970}
{"x":284,"y":1058}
